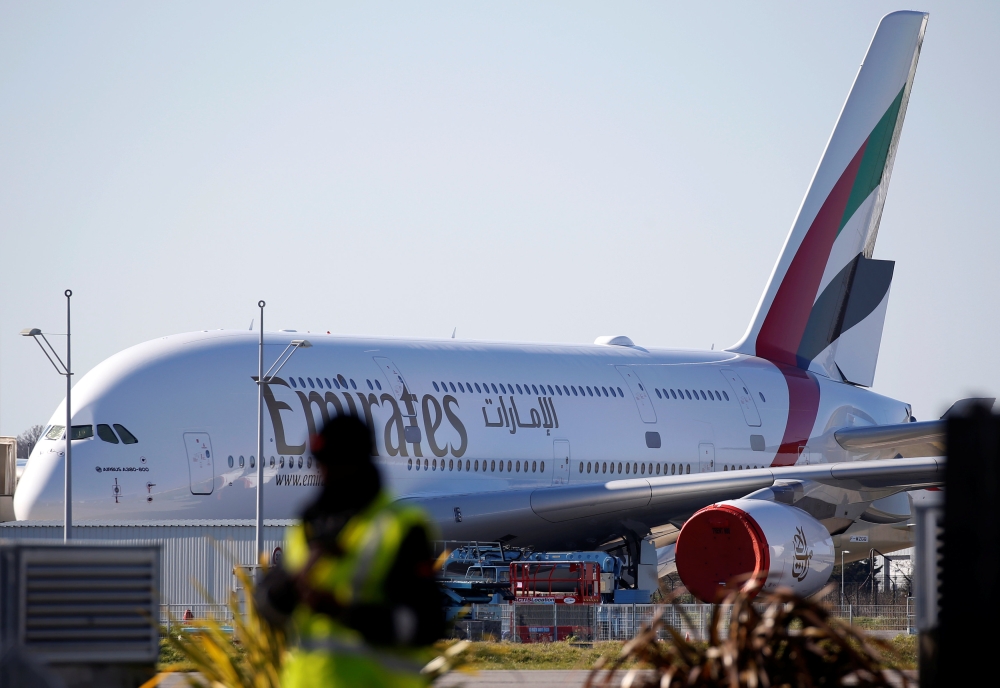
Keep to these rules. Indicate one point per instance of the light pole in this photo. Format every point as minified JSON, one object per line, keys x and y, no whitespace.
{"x":842,"y":553}
{"x":259,"y":533}
{"x":263,"y":379}
{"x":65,"y":369}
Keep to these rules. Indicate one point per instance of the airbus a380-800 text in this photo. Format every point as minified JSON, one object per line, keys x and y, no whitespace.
{"x":776,"y":442}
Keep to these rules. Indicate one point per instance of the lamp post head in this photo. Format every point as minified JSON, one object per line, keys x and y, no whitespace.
{"x":30,"y":332}
{"x":301,"y":343}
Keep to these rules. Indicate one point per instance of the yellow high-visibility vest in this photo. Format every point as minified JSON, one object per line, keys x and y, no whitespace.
{"x":327,"y":653}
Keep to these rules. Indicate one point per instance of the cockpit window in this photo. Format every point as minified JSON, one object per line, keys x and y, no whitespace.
{"x":106,"y":433}
{"x":82,"y":432}
{"x":127,"y":437}
{"x":55,"y":432}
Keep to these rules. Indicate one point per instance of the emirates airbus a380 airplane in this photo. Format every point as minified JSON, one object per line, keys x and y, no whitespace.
{"x":761,"y":451}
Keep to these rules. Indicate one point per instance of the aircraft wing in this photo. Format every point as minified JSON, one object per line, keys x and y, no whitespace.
{"x":584,"y":516}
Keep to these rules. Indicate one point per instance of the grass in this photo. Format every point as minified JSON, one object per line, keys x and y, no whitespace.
{"x":170,"y":657}
{"x":486,"y":656}
{"x":483,"y":656}
{"x":561,"y":655}
{"x":906,"y":651}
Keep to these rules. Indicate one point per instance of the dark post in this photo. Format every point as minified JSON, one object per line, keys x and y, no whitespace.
{"x":969,"y":561}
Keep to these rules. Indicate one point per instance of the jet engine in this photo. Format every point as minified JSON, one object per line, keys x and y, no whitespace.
{"x":732,"y":544}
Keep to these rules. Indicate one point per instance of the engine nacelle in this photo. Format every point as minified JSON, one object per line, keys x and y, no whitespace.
{"x":751,"y":538}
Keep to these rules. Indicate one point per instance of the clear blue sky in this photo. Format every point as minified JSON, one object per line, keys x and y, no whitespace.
{"x":523,"y":171}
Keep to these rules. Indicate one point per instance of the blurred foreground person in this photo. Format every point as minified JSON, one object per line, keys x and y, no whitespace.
{"x":356,"y":581}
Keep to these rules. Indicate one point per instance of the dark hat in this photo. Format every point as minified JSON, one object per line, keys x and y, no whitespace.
{"x":344,"y":441}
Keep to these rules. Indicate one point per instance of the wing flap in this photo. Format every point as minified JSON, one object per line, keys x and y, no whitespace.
{"x":586,"y":501}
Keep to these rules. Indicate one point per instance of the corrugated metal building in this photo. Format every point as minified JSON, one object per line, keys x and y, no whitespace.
{"x":193,"y":553}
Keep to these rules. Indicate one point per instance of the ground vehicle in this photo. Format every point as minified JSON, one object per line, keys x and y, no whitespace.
{"x":556,"y":582}
{"x":573,"y":587}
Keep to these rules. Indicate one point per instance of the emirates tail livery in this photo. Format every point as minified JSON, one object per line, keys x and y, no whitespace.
{"x":761,"y":452}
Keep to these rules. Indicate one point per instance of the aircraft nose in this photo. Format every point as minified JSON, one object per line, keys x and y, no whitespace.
{"x":39,"y":493}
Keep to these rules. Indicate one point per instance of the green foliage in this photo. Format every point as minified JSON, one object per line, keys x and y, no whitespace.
{"x":453,"y":657}
{"x":252,"y":656}
{"x":252,"y":662}
{"x":170,"y":657}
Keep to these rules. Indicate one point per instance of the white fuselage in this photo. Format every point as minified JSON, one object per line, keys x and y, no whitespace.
{"x":473,"y":418}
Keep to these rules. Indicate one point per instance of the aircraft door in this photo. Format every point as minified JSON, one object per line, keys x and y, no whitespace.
{"x":560,"y":459}
{"x":411,"y":432}
{"x":706,"y":457}
{"x":743,"y":396}
{"x":392,"y":376}
{"x":200,"y":463}
{"x":639,"y":393}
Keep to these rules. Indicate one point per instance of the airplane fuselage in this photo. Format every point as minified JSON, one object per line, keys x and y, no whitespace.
{"x":449,"y":417}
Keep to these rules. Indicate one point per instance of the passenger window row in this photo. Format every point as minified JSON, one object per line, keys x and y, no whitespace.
{"x":291,"y":462}
{"x":638,"y":468}
{"x":253,"y":462}
{"x":85,"y":432}
{"x":692,"y":394}
{"x":539,"y":467}
{"x":339,"y":382}
{"x":471,"y":466}
{"x":553,"y":390}
{"x":733,"y":467}
{"x":240,"y":461}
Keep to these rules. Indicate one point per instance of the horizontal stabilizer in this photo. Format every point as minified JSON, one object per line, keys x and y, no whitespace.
{"x":963,"y":406}
{"x":899,"y":435}
{"x":926,"y":438}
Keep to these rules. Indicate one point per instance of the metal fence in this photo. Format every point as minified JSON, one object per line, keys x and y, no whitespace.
{"x":528,"y":623}
{"x":880,"y":618}
{"x":193,"y":616}
{"x":533,"y":623}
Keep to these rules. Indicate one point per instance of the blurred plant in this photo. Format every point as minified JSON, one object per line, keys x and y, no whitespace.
{"x":454,"y":658}
{"x":252,"y":660}
{"x":775,"y":639}
{"x":251,"y":655}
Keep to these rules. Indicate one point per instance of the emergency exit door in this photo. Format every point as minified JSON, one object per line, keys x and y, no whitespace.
{"x":706,"y":457}
{"x":560,"y":457}
{"x":743,"y":396}
{"x":639,"y":393}
{"x":200,"y":462}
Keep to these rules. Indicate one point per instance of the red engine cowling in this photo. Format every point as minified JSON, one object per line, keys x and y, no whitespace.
{"x":746,"y":539}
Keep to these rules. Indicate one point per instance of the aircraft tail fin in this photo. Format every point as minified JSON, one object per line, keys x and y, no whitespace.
{"x":825,"y":303}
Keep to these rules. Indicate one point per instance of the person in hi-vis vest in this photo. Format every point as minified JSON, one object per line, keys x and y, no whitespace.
{"x":356,"y":582}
